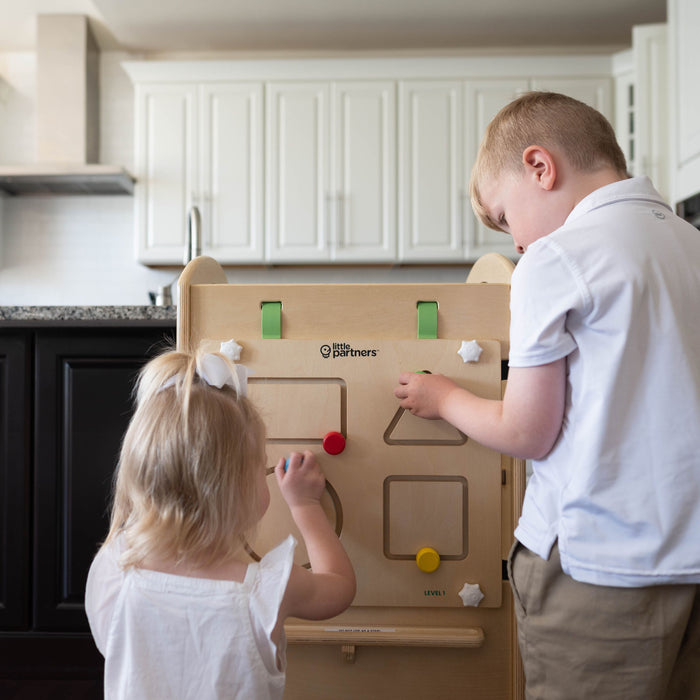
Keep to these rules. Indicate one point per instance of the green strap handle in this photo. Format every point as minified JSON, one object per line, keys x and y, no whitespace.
{"x":427,"y":319}
{"x":271,"y":319}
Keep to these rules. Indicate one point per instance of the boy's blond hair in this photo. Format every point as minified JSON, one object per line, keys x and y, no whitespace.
{"x":187,"y":483}
{"x":551,"y":120}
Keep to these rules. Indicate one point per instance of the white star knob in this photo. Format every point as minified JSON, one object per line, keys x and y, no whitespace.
{"x":231,"y":349}
{"x":471,"y":594}
{"x":470,"y":351}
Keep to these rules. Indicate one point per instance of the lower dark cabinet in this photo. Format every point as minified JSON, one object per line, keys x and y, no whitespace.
{"x":66,"y":400}
{"x":15,"y":478}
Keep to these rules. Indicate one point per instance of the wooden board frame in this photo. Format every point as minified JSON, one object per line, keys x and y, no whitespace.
{"x":432,"y":653}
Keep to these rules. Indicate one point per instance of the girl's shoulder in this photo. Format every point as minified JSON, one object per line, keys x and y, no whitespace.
{"x":235,"y":570}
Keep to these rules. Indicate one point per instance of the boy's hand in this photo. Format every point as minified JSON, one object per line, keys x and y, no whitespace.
{"x":303,"y":482}
{"x":423,"y":394}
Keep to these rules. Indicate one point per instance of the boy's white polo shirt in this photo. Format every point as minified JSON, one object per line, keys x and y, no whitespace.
{"x":616,"y":291}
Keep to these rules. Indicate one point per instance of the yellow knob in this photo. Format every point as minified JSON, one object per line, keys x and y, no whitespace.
{"x":427,"y":559}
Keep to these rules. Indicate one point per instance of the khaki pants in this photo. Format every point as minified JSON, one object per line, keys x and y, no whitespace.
{"x":579,"y":641}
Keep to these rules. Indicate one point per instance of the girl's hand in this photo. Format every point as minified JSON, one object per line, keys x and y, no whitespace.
{"x":329,"y":587}
{"x":423,"y":394}
{"x":303,"y":482}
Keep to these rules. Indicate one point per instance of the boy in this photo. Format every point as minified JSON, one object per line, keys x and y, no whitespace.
{"x":603,"y":395}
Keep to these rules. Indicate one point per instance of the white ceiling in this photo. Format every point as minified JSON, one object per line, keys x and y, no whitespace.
{"x":338,"y":25}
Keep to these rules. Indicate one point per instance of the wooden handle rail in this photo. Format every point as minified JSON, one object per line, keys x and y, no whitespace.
{"x":463,"y":637}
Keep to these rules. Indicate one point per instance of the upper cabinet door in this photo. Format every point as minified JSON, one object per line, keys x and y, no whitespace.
{"x":650,"y":105}
{"x":297,"y":192}
{"x":231,"y":182}
{"x":363,"y":171}
{"x":431,"y":171}
{"x":482,"y":101}
{"x":166,"y":156}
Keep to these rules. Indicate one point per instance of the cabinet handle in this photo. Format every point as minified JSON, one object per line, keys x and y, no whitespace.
{"x":194,"y":234}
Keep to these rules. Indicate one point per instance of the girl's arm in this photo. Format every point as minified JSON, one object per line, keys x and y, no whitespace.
{"x":329,"y":587}
{"x":526,"y":423}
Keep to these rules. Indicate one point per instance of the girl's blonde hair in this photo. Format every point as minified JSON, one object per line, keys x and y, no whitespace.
{"x":551,"y":120}
{"x":187,"y":483}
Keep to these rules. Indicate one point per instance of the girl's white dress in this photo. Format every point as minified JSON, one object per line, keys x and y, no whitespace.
{"x":175,"y":637}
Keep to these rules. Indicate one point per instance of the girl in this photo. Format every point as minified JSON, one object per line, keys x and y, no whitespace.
{"x":173,"y":605}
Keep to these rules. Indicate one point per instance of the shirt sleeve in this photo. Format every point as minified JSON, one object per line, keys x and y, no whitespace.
{"x":104,"y":583}
{"x":270,"y":585}
{"x":545,"y":288}
{"x":268,"y":590}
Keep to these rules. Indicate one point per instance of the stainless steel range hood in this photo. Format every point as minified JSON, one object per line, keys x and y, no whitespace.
{"x":67,"y":117}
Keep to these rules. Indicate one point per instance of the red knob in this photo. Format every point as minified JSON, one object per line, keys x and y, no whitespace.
{"x":333,"y":443}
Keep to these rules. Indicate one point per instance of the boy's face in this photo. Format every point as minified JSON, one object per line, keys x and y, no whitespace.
{"x":516,"y":202}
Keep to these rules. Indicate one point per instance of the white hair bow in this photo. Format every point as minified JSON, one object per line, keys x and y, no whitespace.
{"x":214,"y":370}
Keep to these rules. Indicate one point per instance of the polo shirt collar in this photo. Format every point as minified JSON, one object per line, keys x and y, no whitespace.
{"x":639,"y":188}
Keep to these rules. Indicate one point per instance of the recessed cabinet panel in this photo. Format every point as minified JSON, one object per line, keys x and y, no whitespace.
{"x":83,"y":398}
{"x":431,"y":163}
{"x":363,"y":190}
{"x":298,"y":200}
{"x":165,"y":157}
{"x":232,"y":171}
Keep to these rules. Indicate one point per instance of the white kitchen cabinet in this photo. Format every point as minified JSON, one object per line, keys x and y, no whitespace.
{"x":441,"y":124}
{"x":199,"y":146}
{"x":363,"y":171}
{"x":650,"y":49}
{"x":166,"y":151}
{"x":483,"y":99}
{"x":432,"y":192}
{"x":625,"y":88}
{"x":328,"y":160}
{"x":641,"y":105}
{"x":231,"y":171}
{"x":684,"y":29}
{"x":330,"y":171}
{"x":297,"y":192}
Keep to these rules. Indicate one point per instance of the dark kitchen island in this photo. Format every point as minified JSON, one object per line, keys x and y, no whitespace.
{"x":66,"y":380}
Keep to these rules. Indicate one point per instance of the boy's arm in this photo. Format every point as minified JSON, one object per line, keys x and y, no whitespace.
{"x":526,"y":423}
{"x":329,"y":587}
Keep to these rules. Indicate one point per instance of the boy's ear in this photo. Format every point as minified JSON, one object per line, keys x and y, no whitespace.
{"x":539,"y":162}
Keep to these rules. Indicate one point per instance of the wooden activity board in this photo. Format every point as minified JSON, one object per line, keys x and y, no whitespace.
{"x":425,"y":513}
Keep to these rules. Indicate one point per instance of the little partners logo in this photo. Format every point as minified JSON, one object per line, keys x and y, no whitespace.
{"x":334,"y":350}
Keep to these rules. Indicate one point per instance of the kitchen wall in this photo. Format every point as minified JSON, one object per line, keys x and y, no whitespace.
{"x":75,"y":250}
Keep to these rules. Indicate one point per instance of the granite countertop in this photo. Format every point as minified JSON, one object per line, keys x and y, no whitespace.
{"x":88,"y":315}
